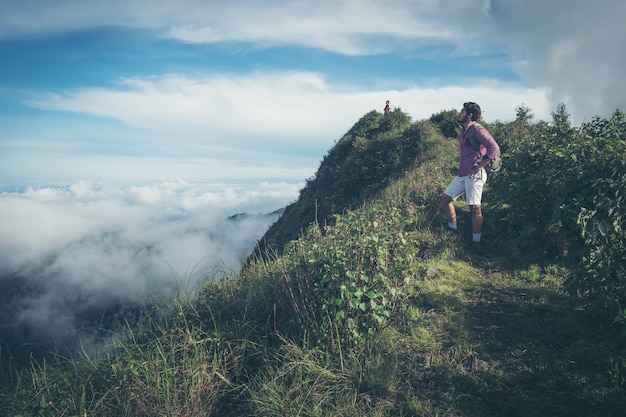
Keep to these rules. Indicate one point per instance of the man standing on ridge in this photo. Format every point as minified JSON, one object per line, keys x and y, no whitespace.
{"x":472,"y":175}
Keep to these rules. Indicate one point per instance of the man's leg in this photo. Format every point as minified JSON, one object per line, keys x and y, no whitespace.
{"x":456,"y":188}
{"x":475,"y":194}
{"x":477,"y":222}
{"x":448,"y":208}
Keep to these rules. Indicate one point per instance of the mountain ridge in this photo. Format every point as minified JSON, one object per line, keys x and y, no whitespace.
{"x":364,"y":304}
{"x":358,"y":167}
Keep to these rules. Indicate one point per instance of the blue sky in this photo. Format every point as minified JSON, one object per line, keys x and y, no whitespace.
{"x":204,"y":90}
{"x":238,"y":102}
{"x":130,"y":129}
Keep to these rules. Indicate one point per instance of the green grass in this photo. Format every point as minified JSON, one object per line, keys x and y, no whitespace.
{"x":465,"y":341}
{"x":429,"y":329}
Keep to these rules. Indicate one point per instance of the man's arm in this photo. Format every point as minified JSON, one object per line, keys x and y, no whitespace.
{"x":492,"y":147}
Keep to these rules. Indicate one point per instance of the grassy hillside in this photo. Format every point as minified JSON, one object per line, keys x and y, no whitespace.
{"x":359,"y":302}
{"x":375,"y":151}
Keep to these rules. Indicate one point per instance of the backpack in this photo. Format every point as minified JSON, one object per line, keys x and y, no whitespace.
{"x":496,"y":164}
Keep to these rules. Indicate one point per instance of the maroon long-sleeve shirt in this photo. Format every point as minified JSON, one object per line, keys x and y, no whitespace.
{"x":469,"y":157}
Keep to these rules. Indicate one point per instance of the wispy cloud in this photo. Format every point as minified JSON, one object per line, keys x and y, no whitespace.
{"x":574,"y":47}
{"x":347,"y":27}
{"x":295,"y":109}
{"x":291,"y":109}
{"x":257,"y":125}
{"x":104,"y":245}
{"x":265,"y":107}
{"x":41,"y":221}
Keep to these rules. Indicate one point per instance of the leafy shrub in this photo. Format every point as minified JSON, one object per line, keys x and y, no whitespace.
{"x":446,"y":122}
{"x":524,"y":190}
{"x":376,"y":150}
{"x":353,"y":277}
{"x":601,"y":219}
{"x":567,"y":186}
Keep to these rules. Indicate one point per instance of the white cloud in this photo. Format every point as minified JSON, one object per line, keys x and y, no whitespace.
{"x":184,"y":162}
{"x":498,"y":100}
{"x":263,"y":109}
{"x":259,"y":125}
{"x":103,"y":244}
{"x":39,"y":222}
{"x":346,"y":27}
{"x":329,"y":24}
{"x":574,"y":47}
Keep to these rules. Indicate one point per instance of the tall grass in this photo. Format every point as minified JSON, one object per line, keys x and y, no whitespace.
{"x":184,"y":368}
{"x":384,"y":313}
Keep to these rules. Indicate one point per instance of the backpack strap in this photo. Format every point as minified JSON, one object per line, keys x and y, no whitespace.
{"x":472,"y":138}
{"x":494,"y":165}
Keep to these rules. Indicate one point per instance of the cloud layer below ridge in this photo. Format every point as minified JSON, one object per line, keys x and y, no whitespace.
{"x":95,"y":246}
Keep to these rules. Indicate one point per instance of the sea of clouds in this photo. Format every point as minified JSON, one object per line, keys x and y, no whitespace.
{"x":96,"y":245}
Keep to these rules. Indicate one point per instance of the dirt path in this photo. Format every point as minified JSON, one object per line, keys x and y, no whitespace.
{"x":542,"y":350}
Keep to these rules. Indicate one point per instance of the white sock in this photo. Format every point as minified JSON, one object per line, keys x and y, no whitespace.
{"x":476,"y":237}
{"x":452,"y":225}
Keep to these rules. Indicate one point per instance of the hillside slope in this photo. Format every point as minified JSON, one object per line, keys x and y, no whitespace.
{"x":365,"y":305}
{"x":385,"y":312}
{"x":377,"y":149}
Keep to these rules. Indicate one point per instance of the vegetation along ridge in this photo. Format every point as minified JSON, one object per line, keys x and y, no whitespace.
{"x":359,"y":302}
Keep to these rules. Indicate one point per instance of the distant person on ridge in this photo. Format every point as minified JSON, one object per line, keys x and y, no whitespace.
{"x":472,"y":175}
{"x":387,"y":107}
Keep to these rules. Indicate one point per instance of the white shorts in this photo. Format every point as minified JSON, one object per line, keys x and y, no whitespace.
{"x":472,"y":187}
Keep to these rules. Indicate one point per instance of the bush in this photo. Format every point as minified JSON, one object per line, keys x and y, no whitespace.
{"x":350,"y":279}
{"x":600,"y":202}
